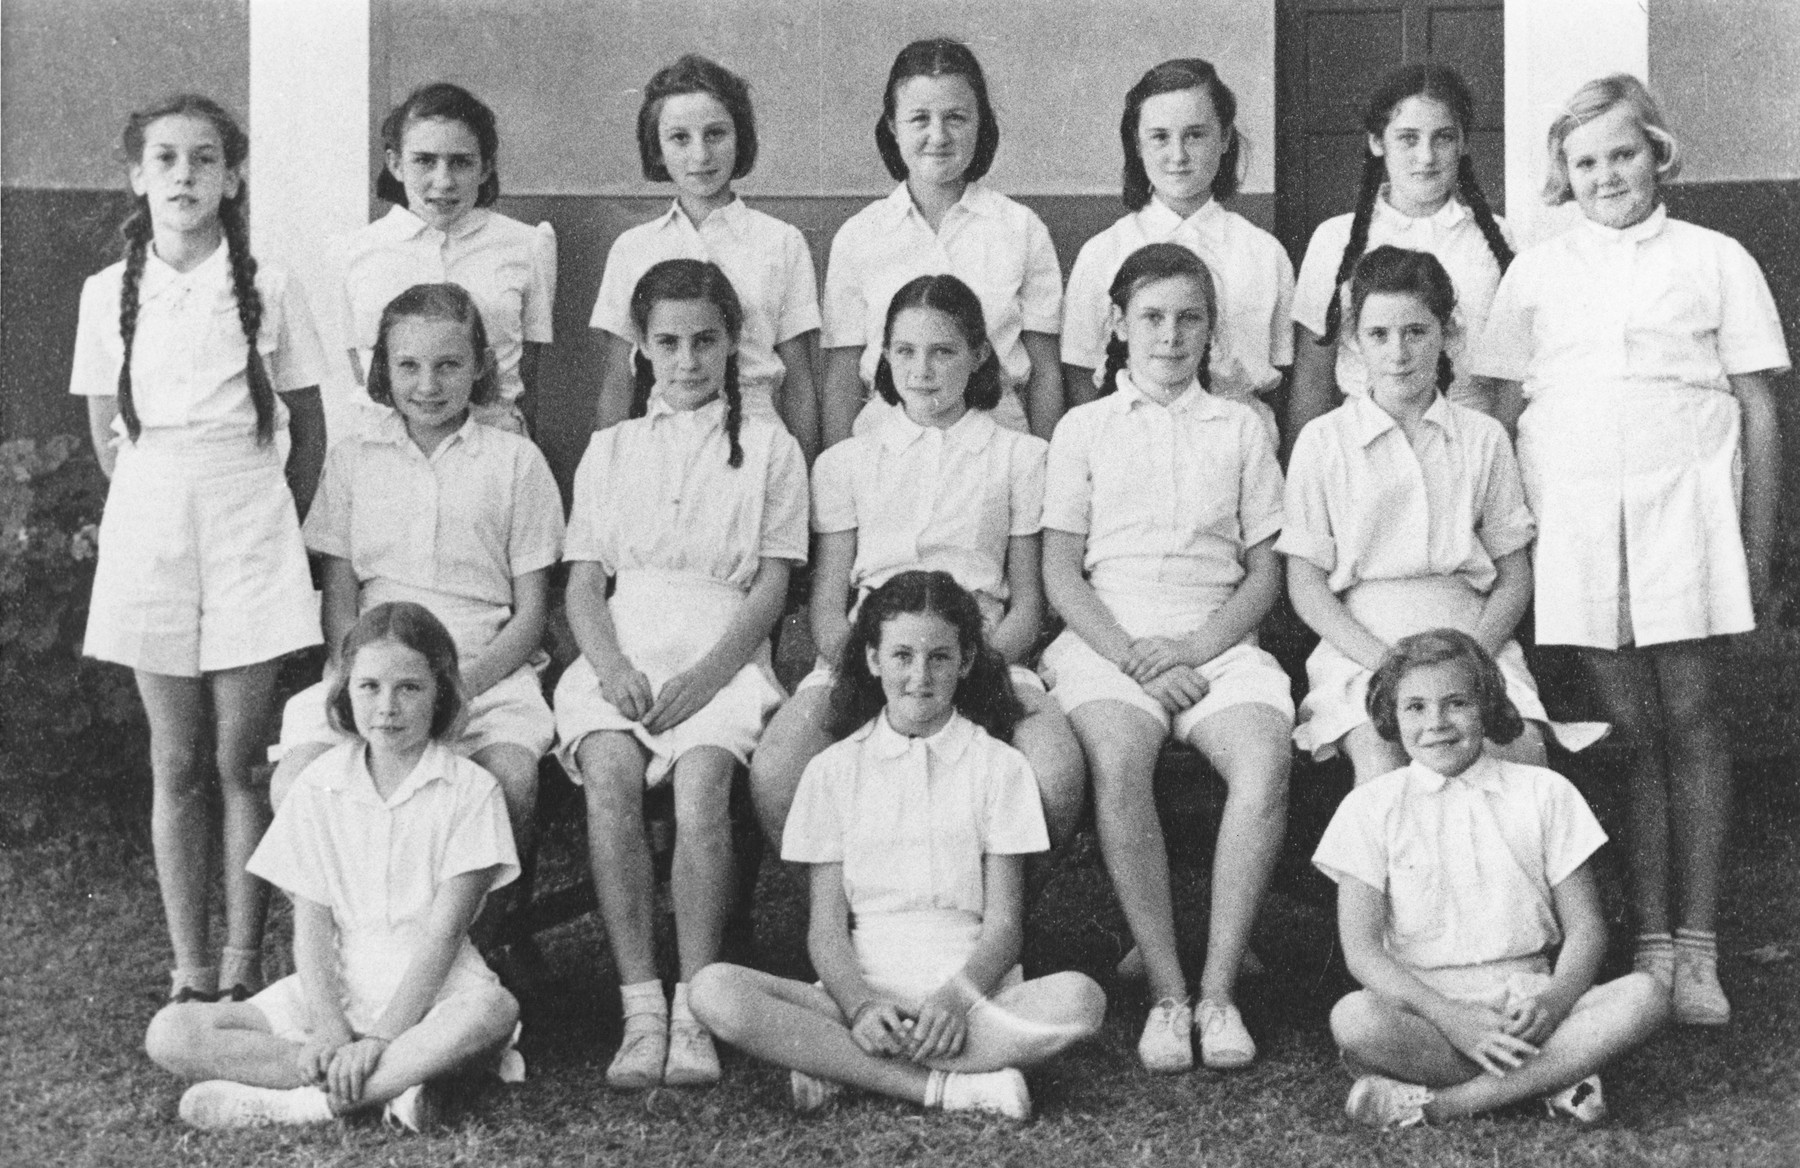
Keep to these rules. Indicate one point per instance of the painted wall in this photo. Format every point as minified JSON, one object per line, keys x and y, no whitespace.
{"x":1728,"y":75}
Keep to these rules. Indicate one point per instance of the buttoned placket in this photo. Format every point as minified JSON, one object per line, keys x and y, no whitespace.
{"x":918,"y":777}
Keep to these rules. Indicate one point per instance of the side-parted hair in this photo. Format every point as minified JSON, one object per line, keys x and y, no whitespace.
{"x":1600,"y":96}
{"x":434,"y":302}
{"x":689,"y":280}
{"x":1173,"y":77}
{"x":136,"y":232}
{"x":1500,"y":721}
{"x":1146,"y":265}
{"x":693,"y":73}
{"x":956,"y":300}
{"x":453,"y":103}
{"x":985,"y":696}
{"x":1441,"y":84}
{"x":412,"y":625}
{"x":938,"y":57}
{"x":1398,"y":272}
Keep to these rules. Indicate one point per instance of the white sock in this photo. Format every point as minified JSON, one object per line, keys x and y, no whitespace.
{"x":202,"y":978}
{"x":241,"y":967}
{"x":680,"y":1011}
{"x":644,"y":997}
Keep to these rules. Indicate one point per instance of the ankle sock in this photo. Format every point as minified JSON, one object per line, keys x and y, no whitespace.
{"x":241,"y":967}
{"x":1654,"y":954}
{"x":679,"y":1010}
{"x":1695,"y":943}
{"x":644,"y":997}
{"x":934,"y":1088}
{"x":200,"y":978}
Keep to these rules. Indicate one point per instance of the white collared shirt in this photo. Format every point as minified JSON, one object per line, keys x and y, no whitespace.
{"x":1363,"y":503}
{"x":1166,"y":494}
{"x":936,"y":499}
{"x":1252,"y":275}
{"x":451,"y":530}
{"x":188,"y":353}
{"x":1450,"y":233}
{"x":1467,"y":863}
{"x":657,"y":493}
{"x":910,"y":819}
{"x":998,"y":247}
{"x":767,"y":261}
{"x":1659,"y":303}
{"x":508,"y":269}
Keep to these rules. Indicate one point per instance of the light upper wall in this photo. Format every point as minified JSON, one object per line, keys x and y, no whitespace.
{"x":70,"y":70}
{"x":1728,"y":75}
{"x":565,"y":78}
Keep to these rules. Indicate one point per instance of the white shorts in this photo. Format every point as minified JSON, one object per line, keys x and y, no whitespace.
{"x":283,"y":1004}
{"x":1498,"y":985}
{"x":909,"y":955}
{"x":1241,"y":674}
{"x":510,"y":712}
{"x":201,"y":567}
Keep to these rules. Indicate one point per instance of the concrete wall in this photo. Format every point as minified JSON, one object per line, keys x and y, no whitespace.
{"x":1728,"y":75}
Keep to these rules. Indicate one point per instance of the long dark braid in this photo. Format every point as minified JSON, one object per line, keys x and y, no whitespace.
{"x":734,"y":412}
{"x":1373,"y":173}
{"x":135,"y":232}
{"x":250,"y":314}
{"x":643,"y":380}
{"x":1117,"y":352}
{"x":1469,"y":188}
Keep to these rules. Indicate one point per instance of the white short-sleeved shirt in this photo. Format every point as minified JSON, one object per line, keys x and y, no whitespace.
{"x":1166,"y":494}
{"x":1467,"y":863}
{"x":450,"y":530}
{"x":911,"y":818}
{"x":377,"y":863}
{"x":1451,"y":234}
{"x":937,"y":499}
{"x":766,"y":260}
{"x":656,"y":493}
{"x":998,"y":247}
{"x":507,"y":267}
{"x":188,"y":354}
{"x":1363,"y":503}
{"x":1252,"y":275}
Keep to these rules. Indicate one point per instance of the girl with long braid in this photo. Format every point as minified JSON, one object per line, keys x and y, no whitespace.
{"x":1418,"y":192}
{"x":697,"y":512}
{"x":194,"y":359}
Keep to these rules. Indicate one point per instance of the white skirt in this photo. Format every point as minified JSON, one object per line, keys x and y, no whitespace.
{"x":201,"y":567}
{"x":666,"y":622}
{"x":1338,"y":688}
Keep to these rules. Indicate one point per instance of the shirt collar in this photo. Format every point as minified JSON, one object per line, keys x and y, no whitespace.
{"x":1160,"y":220}
{"x":1442,"y":219}
{"x":948,"y":743}
{"x":1647,"y":228}
{"x":976,"y":200}
{"x":161,"y":279}
{"x":710,"y":414}
{"x":404,"y":224}
{"x":1483,"y":775}
{"x":389,"y":428}
{"x":731,"y":216}
{"x":1193,"y":399}
{"x":1372,"y":421}
{"x":969,"y":432}
{"x":353,"y":777}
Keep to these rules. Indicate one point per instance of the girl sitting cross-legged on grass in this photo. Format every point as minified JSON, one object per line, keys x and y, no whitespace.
{"x":1456,"y":877}
{"x":916,"y":825}
{"x":387,"y":844}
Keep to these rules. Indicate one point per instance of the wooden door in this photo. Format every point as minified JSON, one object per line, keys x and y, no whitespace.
{"x":1330,"y":53}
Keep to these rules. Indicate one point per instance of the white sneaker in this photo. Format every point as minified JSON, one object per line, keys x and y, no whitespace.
{"x":810,"y":1093}
{"x":1582,"y":1103}
{"x":1225,"y":1045}
{"x":693,"y":1060}
{"x":1384,"y":1103}
{"x":420,"y":1108}
{"x":221,"y":1103}
{"x":1001,"y":1093}
{"x":1167,"y":1045}
{"x":642,"y":1052}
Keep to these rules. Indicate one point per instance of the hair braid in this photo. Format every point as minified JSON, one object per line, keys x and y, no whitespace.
{"x":1117,"y":353}
{"x":643,"y":381}
{"x":1473,"y":198}
{"x":1446,"y":372}
{"x":1374,"y":171}
{"x":734,"y":412}
{"x":135,"y":232}
{"x":250,"y":314}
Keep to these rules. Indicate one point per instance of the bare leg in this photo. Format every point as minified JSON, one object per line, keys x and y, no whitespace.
{"x":1392,"y":1041}
{"x":796,"y":733}
{"x":1249,"y":745}
{"x":1626,"y":684}
{"x":516,"y":770}
{"x":1031,"y":1023}
{"x":700,"y":879}
{"x":1371,"y":755}
{"x":1048,"y":743}
{"x":1699,"y":777}
{"x":1121,"y":743}
{"x":181,"y":832}
{"x":612,"y":772}
{"x":458,"y":1030}
{"x":227,"y":1040}
{"x":243,"y":702}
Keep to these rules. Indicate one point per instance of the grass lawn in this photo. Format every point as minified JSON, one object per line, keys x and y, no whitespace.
{"x":84,"y":958}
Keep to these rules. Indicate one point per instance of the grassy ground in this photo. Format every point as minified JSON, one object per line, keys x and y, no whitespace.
{"x":84,"y":955}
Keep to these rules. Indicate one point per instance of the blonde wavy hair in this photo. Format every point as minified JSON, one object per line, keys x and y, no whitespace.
{"x":1598,"y":97}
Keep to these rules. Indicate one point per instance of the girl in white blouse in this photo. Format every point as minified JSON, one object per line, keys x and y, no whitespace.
{"x":916,"y":825}
{"x":696,"y":511}
{"x":1640,"y":350}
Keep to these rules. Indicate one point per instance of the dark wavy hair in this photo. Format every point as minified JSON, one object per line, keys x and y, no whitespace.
{"x":1396,"y":271}
{"x":1173,"y":77}
{"x":136,"y":232}
{"x":1146,"y":265}
{"x":440,"y":99}
{"x":956,"y":300}
{"x":1500,"y":721}
{"x":1441,"y":84}
{"x":985,"y":696}
{"x":692,"y":73}
{"x":434,"y":302}
{"x":689,"y":280}
{"x":938,"y":57}
{"x":412,"y":625}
